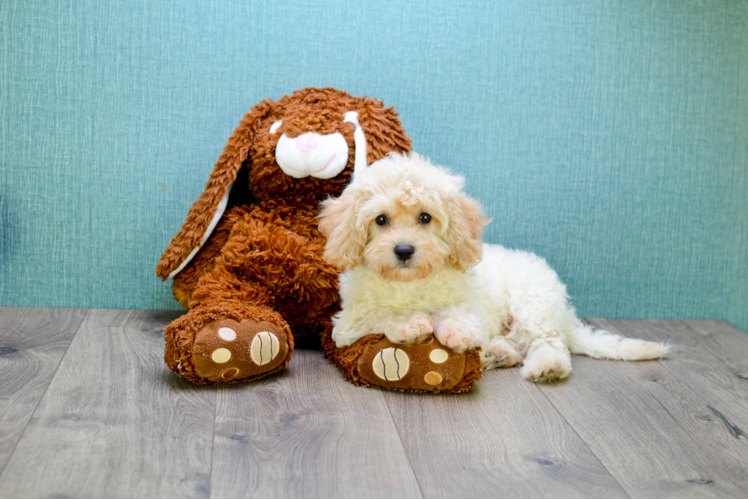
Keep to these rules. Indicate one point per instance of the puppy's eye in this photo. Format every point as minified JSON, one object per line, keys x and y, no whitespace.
{"x":381,"y":220}
{"x":424,"y":218}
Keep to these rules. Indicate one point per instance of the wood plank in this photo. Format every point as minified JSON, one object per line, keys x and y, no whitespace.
{"x":724,"y":341}
{"x":652,"y":424}
{"x":32,"y":343}
{"x":115,"y":422}
{"x":503,"y":439}
{"x":710,"y":358}
{"x":307,"y":433}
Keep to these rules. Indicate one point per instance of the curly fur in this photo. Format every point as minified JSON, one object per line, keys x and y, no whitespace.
{"x":263,"y":261}
{"x":467,"y":294}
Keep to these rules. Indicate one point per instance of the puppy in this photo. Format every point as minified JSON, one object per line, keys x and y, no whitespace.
{"x":411,"y":243}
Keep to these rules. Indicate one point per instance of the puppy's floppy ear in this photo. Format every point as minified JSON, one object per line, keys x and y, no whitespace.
{"x":346,"y":240}
{"x":464,"y":233}
{"x":208,"y":209}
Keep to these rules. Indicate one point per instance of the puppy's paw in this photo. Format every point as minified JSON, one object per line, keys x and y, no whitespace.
{"x":545,"y":364}
{"x":501,"y":354}
{"x":414,"y":330}
{"x":457,"y":336}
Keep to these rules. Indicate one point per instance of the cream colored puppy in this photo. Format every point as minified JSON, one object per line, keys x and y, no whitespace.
{"x":411,"y":243}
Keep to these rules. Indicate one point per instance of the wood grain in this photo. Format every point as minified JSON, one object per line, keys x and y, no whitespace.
{"x":722,"y":340}
{"x":114,"y":421}
{"x":503,"y":439}
{"x":653,"y":424}
{"x":32,"y":343}
{"x":101,"y":416}
{"x":307,"y":433}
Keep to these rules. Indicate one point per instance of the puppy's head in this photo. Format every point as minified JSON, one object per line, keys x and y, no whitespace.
{"x":403,"y":218}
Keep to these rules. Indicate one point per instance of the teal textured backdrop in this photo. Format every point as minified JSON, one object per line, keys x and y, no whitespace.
{"x":609,"y":137}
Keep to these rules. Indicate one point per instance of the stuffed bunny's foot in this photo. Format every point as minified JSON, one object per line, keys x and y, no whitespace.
{"x":427,"y":367}
{"x":212,"y":346}
{"x":228,"y":350}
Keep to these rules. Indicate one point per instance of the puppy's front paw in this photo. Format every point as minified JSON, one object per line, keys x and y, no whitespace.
{"x":415,"y":330}
{"x":501,"y":354}
{"x":457,"y":336}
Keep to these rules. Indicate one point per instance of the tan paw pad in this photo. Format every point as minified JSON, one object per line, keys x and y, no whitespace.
{"x":227,"y":334}
{"x":433,"y":378}
{"x":230,"y":373}
{"x":391,"y":364}
{"x":264,"y":348}
{"x":438,"y":356}
{"x":221,"y":355}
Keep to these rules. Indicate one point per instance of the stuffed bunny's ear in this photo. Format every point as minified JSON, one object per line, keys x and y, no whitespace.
{"x":208,"y":209}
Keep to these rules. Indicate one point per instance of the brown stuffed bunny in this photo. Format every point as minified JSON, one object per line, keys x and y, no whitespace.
{"x":248,"y":259}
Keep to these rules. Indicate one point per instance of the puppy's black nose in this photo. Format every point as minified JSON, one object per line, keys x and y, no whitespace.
{"x":404,"y":252}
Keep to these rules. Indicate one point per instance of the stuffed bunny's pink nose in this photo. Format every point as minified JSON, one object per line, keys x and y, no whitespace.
{"x":307,"y":142}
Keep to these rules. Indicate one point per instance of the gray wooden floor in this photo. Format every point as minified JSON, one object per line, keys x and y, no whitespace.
{"x":88,"y":409}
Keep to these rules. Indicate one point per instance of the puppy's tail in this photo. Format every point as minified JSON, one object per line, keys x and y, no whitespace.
{"x":584,"y":339}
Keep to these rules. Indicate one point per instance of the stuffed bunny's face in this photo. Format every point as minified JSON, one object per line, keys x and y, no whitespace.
{"x":308,"y":145}
{"x":295,"y":152}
